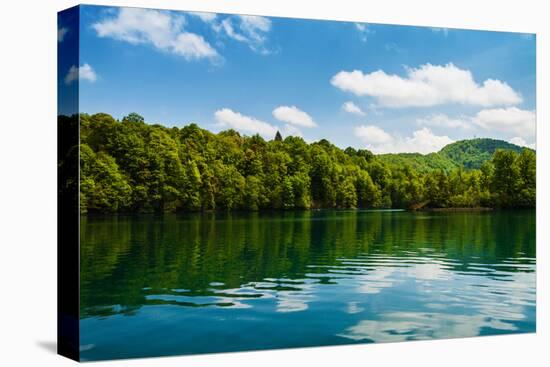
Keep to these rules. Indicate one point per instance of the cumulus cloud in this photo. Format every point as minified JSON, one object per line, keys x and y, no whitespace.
{"x":192,"y":46}
{"x":205,"y":17}
{"x":255,"y":26}
{"x":293,"y":115}
{"x":231,"y":119}
{"x":292,"y":130}
{"x":427,"y":85}
{"x":249,"y":29}
{"x":373,"y":135}
{"x":379,"y":141}
{"x":511,"y":121}
{"x":508,"y":120}
{"x":61,"y":32}
{"x":442,"y":120}
{"x":522,"y":143}
{"x":84,"y":72}
{"x":159,"y":29}
{"x":135,"y":25}
{"x":353,"y":108}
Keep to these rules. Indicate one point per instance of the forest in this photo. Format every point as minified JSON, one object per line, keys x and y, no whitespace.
{"x":130,"y":166}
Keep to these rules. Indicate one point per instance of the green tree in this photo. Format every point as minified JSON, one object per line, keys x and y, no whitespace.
{"x":102,"y":186}
{"x":132,"y":166}
{"x":133,"y":118}
{"x":526,"y":162}
{"x":506,"y":177}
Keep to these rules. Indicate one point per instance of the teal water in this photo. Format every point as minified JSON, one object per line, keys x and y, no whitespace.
{"x":202,"y":283}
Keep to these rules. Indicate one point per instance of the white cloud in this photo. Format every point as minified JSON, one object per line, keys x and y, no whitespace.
{"x":205,"y":17}
{"x":61,"y":32}
{"x":518,"y":141}
{"x":192,"y":46}
{"x":160,"y":29}
{"x":135,"y":25}
{"x":229,"y":118}
{"x":353,"y":108}
{"x":442,"y":120}
{"x":72,"y":75}
{"x":255,"y":26}
{"x":522,"y":143}
{"x":227,"y":27}
{"x":363,"y":30}
{"x":508,"y":120}
{"x":292,"y":130}
{"x":84,"y":72}
{"x":249,"y":29}
{"x":427,"y":85}
{"x":294,"y":116}
{"x":373,"y":135}
{"x":511,"y":121}
{"x":422,"y":141}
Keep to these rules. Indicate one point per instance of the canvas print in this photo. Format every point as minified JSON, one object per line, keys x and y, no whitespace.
{"x":238,"y":182}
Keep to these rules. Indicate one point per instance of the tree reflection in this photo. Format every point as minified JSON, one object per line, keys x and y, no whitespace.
{"x":201,"y":259}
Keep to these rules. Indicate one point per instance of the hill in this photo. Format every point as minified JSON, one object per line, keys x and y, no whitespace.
{"x":470,"y":154}
{"x":420,"y":162}
{"x":473,"y":153}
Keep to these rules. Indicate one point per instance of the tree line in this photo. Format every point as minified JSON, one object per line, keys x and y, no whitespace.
{"x":132,"y":166}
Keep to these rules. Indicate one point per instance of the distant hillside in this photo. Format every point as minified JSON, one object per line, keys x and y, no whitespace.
{"x":473,"y":153}
{"x":420,"y":162}
{"x":469,"y":154}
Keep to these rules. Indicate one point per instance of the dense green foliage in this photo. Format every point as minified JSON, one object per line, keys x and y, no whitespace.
{"x":473,"y":153}
{"x":469,"y":154}
{"x":421,"y":162}
{"x":131,"y":166}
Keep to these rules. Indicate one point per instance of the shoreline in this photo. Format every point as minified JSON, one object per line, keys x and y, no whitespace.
{"x":461,"y":209}
{"x":209,"y":212}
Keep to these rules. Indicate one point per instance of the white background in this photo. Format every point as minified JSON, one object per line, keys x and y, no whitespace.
{"x":28,"y":43}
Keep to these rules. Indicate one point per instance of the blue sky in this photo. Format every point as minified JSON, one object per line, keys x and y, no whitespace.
{"x":383,"y":87}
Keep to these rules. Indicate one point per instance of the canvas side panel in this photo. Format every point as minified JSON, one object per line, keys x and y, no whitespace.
{"x":68,"y":184}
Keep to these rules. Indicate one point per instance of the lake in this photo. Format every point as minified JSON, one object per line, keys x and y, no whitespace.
{"x":220,"y":282}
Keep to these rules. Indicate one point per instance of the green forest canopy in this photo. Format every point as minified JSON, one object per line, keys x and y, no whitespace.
{"x":468,"y":154}
{"x":131,"y":166}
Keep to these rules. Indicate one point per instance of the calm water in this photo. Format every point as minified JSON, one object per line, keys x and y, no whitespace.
{"x":185,"y":284}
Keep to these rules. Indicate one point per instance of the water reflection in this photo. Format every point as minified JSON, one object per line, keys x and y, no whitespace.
{"x":308,"y":278}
